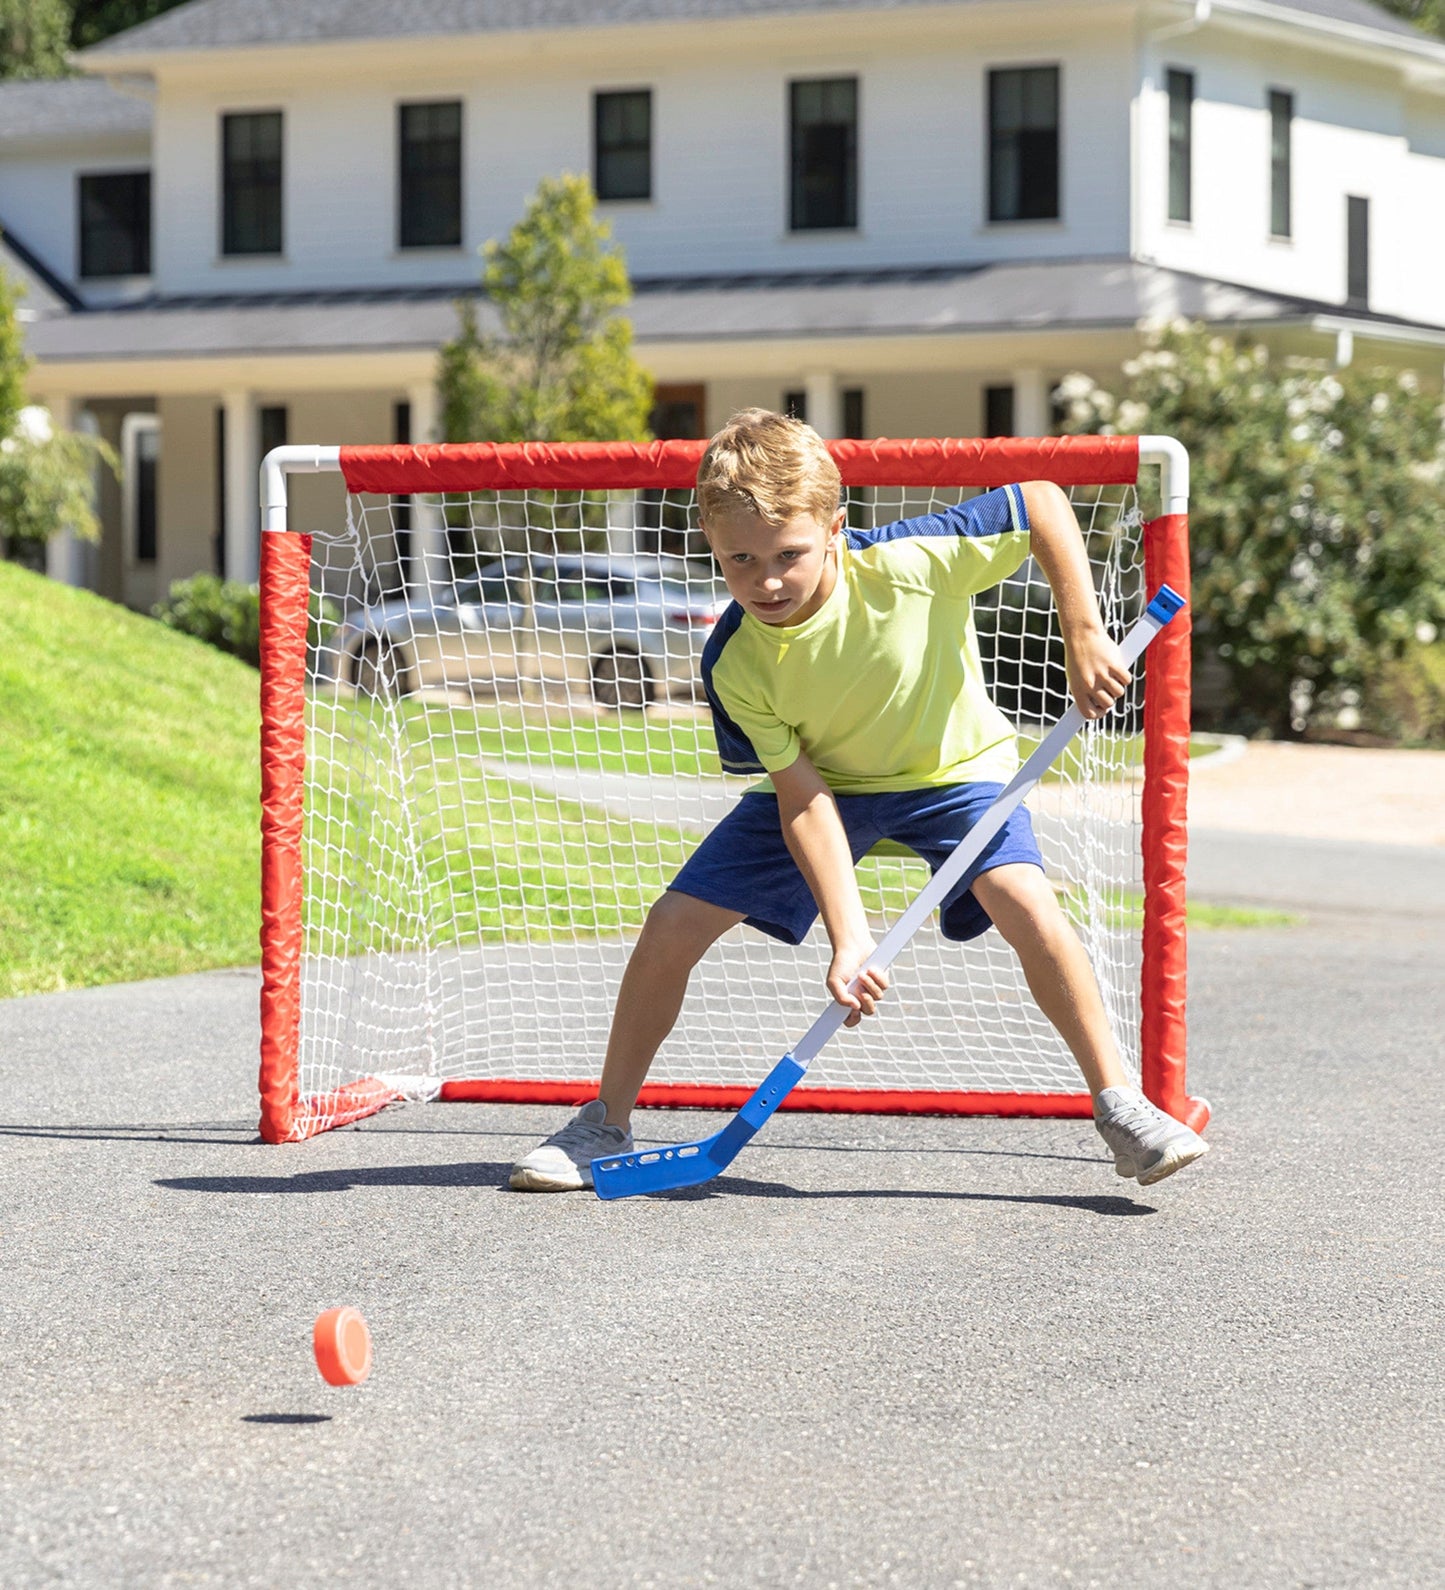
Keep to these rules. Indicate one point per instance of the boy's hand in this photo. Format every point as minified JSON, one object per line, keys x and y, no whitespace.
{"x":1096,"y":670}
{"x":862,"y":1001}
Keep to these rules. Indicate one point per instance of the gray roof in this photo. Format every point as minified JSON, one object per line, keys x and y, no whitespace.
{"x":931,"y":301}
{"x":219,"y":24}
{"x":78,"y":108}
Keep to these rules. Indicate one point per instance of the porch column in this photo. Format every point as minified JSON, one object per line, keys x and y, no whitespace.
{"x":64,"y":551}
{"x":429,"y":563}
{"x":243,"y":492}
{"x":1031,"y":402}
{"x":825,"y":405}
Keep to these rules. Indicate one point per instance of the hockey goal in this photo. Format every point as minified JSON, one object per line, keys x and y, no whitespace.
{"x":476,"y":782}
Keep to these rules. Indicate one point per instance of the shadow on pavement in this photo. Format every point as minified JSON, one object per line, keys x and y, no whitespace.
{"x":226,"y":1134}
{"x":470,"y":1173}
{"x":1092,"y":1205}
{"x":286,"y":1418}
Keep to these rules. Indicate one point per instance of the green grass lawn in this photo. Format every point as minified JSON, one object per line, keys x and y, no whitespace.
{"x":129,"y":799}
{"x":127,"y":795}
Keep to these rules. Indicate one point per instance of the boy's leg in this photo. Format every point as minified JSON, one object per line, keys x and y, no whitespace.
{"x":1147,"y":1143}
{"x":1023,"y":907}
{"x":677,"y":934}
{"x":678,"y":931}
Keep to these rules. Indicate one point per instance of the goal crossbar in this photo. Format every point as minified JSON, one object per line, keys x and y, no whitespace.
{"x":291,"y":1113}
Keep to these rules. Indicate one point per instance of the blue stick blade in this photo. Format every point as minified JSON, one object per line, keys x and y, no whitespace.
{"x":654,"y":1170}
{"x":689,"y":1164}
{"x":1166,"y":604}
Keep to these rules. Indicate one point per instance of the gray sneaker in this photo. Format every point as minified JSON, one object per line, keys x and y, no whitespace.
{"x":564,"y":1162}
{"x":1148,"y":1144}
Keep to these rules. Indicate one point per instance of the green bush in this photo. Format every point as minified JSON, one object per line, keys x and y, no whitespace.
{"x":1317,"y":519}
{"x":227,"y":615}
{"x":1405,"y":699}
{"x":224,"y":613}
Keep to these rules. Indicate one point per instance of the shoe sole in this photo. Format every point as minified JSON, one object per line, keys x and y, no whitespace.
{"x":1174,"y":1159}
{"x":523,"y":1180}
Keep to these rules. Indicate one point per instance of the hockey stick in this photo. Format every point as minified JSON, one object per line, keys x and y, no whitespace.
{"x":688,"y":1164}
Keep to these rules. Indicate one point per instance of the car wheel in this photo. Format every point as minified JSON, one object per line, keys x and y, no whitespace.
{"x":377,"y":670}
{"x":621,"y":679}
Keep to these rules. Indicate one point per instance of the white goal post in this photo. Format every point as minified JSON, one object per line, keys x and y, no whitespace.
{"x":485,"y":752}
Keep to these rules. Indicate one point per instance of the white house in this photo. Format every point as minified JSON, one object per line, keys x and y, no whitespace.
{"x":906,"y":218}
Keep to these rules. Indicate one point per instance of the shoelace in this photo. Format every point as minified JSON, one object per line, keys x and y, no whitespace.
{"x":576,"y":1133}
{"x":1133,"y":1114}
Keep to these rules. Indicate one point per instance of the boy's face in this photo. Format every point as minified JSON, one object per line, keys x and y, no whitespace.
{"x":781,"y":574}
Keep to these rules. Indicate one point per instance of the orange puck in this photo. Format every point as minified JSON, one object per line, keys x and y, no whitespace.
{"x":343,"y":1347}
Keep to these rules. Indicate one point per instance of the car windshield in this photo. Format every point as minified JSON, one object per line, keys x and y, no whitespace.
{"x":490,"y":588}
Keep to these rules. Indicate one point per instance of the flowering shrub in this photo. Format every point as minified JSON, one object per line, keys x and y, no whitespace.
{"x":1317,"y":513}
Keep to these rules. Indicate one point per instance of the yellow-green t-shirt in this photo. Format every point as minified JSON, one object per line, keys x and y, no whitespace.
{"x":882,"y":686}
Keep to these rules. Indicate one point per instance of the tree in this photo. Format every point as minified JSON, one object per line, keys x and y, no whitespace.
{"x":1317,"y":516}
{"x":562,"y":370}
{"x":1426,"y":14}
{"x":95,"y":20}
{"x":33,"y":38}
{"x":45,"y":475}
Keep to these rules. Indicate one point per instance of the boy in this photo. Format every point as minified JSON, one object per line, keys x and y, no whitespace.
{"x":847,"y":668}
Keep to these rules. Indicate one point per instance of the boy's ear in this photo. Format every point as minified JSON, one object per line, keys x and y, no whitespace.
{"x":840,"y":520}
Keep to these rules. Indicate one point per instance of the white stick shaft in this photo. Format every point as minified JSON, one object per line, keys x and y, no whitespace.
{"x":973,"y":845}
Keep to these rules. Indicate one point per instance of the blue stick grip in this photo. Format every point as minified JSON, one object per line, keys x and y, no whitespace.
{"x":1165,"y":605}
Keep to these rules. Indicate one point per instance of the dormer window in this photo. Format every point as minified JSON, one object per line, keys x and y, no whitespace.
{"x":251,"y":183}
{"x":115,"y":224}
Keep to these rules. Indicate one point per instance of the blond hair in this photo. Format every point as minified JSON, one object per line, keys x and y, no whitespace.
{"x":769,"y":465}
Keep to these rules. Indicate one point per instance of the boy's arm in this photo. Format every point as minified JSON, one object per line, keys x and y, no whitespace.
{"x":815,"y":835}
{"x":1097,"y":674}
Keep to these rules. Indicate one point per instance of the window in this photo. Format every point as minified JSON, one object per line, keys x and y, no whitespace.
{"x":429,"y":175}
{"x":795,"y":405}
{"x":1181,"y":145}
{"x":622,"y":144}
{"x":1023,"y":144}
{"x":251,"y":183}
{"x":1357,"y":252}
{"x":998,"y":411}
{"x":853,"y":412}
{"x":271,"y":425}
{"x":663,"y":519}
{"x":115,"y":224}
{"x":140,"y":451}
{"x":823,"y":115}
{"x":1281,"y":118}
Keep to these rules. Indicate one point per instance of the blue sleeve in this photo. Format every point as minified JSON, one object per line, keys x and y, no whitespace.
{"x":734,"y":749}
{"x":999,"y":512}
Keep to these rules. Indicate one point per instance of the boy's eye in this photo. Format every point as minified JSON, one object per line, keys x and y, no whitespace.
{"x":789,"y":553}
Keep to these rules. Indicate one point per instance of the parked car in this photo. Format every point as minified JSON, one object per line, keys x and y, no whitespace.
{"x":629,"y":629}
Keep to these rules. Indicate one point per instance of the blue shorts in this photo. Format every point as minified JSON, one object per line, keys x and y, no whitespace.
{"x":745,"y":865}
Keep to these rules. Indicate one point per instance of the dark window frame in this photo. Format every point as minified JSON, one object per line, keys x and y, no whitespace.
{"x":429,"y":191}
{"x":91,"y":206}
{"x":1281,"y":163}
{"x":610,"y":180}
{"x":1357,"y":251}
{"x":1034,"y":191}
{"x":1179,"y":89}
{"x":998,"y":409}
{"x":265,"y":193}
{"x":823,"y":182}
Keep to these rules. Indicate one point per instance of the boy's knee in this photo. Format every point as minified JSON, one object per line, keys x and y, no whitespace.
{"x":1021,"y":902}
{"x":680,"y":928}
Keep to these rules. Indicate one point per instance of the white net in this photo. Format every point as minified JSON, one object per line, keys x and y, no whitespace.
{"x":508,"y":758}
